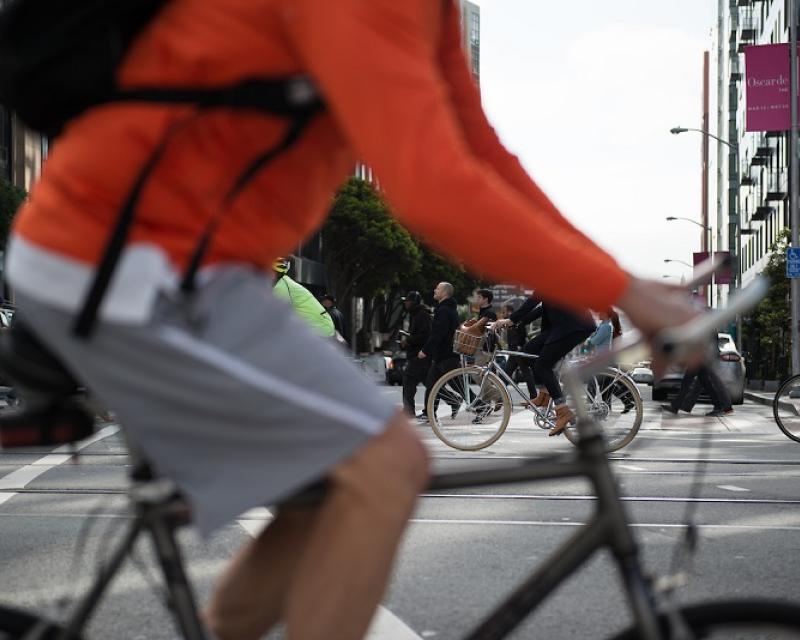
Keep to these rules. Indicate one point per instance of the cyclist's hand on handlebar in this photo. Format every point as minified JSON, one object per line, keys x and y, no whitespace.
{"x":652,"y":307}
{"x":499,"y":324}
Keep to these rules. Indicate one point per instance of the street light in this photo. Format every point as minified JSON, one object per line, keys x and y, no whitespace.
{"x":671,"y":218}
{"x":679,"y":261}
{"x":733,"y":146}
{"x":710,"y":250}
{"x":735,"y":231}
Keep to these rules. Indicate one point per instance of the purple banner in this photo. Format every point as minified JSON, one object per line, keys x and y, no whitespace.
{"x":723,"y":276}
{"x":698,"y":258}
{"x":767,"y":73}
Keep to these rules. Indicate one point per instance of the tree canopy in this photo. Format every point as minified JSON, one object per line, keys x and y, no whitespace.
{"x":11,"y":198}
{"x":767,"y":330}
{"x":365,"y":249}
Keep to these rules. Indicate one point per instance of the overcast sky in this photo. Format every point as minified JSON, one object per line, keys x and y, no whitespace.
{"x":585,"y":93}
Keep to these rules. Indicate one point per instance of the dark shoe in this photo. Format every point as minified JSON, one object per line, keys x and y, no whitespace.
{"x":422,"y":418}
{"x":628,"y":408}
{"x":669,"y":408}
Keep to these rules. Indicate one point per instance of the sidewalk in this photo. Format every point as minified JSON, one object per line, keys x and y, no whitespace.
{"x":760,"y":397}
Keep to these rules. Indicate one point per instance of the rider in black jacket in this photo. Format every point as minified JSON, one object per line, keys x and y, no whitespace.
{"x":439,"y":346}
{"x":419,"y":330}
{"x":562,"y":331}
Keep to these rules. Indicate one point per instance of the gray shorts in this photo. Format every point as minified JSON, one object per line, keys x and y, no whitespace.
{"x":228,"y":393}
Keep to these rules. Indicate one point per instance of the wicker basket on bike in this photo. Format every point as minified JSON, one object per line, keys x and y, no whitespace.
{"x":470,"y":336}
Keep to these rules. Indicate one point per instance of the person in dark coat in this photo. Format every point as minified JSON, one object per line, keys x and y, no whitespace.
{"x":419,"y":330}
{"x":483,"y":299}
{"x":696,"y":380}
{"x":329,"y":302}
{"x":439,"y":346}
{"x":517,"y":337}
{"x":562,"y":331}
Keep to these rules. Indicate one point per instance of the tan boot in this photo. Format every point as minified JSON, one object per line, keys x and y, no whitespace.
{"x":564,"y":416}
{"x":541,"y":399}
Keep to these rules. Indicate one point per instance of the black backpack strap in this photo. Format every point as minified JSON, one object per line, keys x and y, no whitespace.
{"x":282,"y":97}
{"x":296,"y":97}
{"x":293,"y":133}
{"x":84,"y":323}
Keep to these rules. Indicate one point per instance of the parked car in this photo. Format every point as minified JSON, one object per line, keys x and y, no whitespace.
{"x":730,"y":369}
{"x":642,"y":375}
{"x":395,"y":366}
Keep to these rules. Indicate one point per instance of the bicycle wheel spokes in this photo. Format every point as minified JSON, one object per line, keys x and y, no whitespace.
{"x":786,"y":408}
{"x":615,"y":405}
{"x":468,"y":408}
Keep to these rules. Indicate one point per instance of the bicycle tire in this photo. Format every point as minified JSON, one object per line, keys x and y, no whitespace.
{"x":786,"y":408}
{"x":16,"y":623}
{"x":482,"y":413}
{"x":744,"y":619}
{"x":619,"y":428}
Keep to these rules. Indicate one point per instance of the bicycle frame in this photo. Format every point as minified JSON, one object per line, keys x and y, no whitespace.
{"x":607,"y":529}
{"x":493,"y":367}
{"x":160,"y":511}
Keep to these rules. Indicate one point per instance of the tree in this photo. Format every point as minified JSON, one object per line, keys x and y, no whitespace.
{"x":767,"y":332}
{"x":11,"y":198}
{"x":435,"y":269}
{"x":367,"y":253}
{"x":364,"y":248}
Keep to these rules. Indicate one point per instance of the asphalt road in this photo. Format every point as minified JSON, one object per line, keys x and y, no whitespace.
{"x":465,"y":548}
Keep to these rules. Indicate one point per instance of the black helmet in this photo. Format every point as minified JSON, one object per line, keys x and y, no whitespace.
{"x":413,"y":296}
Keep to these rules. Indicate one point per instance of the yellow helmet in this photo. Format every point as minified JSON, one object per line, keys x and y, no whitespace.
{"x":281,"y":265}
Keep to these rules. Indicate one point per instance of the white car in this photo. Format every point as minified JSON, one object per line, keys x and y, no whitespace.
{"x":730,"y":369}
{"x":642,"y":375}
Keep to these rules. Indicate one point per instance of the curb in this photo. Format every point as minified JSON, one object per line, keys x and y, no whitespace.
{"x":755,"y":397}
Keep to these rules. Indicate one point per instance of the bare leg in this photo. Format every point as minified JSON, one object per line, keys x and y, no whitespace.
{"x":250,"y":595}
{"x":332,"y":564}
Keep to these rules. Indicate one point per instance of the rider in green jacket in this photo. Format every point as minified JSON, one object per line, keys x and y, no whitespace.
{"x":302,"y":300}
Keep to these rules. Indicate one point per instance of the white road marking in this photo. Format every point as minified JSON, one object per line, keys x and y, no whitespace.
{"x":630,"y":467}
{"x":731,"y":487}
{"x":19,"y":478}
{"x":385,"y":625}
{"x":636,"y":525}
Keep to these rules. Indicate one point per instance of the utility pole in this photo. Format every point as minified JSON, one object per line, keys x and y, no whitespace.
{"x":794,"y":175}
{"x":704,"y":206}
{"x":720,"y":128}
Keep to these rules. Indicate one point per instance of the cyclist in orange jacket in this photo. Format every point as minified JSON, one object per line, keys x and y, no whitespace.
{"x":400,"y":98}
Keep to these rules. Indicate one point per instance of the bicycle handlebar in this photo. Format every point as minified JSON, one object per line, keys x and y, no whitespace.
{"x":677,"y":342}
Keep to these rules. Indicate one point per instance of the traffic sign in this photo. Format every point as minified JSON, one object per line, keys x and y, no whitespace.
{"x":793,"y":262}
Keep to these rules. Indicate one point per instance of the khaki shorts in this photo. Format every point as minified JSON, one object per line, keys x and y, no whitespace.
{"x":228,"y":393}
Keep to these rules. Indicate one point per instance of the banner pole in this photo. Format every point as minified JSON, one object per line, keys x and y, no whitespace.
{"x":794,"y":175}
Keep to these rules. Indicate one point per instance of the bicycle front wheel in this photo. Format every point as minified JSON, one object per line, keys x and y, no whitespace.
{"x":469,"y":408}
{"x":786,"y":408}
{"x":16,"y":624}
{"x":615,"y":404}
{"x":744,"y":620}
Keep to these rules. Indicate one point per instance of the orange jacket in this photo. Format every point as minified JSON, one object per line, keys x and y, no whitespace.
{"x":400,"y":98}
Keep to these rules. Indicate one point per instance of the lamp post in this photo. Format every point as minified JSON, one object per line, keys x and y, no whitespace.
{"x":678,"y":261}
{"x":710,"y":251}
{"x":676,"y":130}
{"x":735,"y":231}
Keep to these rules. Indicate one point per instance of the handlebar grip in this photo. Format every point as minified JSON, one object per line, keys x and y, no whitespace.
{"x":673,"y":342}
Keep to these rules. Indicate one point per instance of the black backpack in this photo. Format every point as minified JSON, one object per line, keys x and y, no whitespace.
{"x":59,"y":58}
